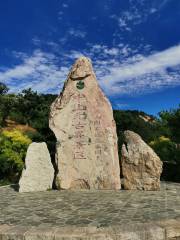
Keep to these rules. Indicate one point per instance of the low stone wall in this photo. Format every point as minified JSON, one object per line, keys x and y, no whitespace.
{"x":164,"y":230}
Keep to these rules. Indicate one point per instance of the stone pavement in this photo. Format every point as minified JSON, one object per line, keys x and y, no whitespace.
{"x":91,"y":214}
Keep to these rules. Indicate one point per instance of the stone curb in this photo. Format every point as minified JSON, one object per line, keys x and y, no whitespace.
{"x":9,"y":185}
{"x":161,"y":230}
{"x":5,"y":186}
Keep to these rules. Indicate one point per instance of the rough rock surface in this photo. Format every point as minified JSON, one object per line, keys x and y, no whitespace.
{"x":82,"y":120}
{"x":141,"y":167}
{"x":38,"y":174}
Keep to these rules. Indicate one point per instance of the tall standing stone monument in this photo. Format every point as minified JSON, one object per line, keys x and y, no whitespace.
{"x":82,"y":119}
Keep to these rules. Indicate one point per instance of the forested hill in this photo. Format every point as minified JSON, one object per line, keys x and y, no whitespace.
{"x":24,"y":118}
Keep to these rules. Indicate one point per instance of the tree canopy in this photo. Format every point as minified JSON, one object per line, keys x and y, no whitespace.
{"x":3,"y":88}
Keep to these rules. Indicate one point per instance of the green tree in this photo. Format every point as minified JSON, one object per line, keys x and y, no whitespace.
{"x":171,"y":119}
{"x":6,"y":107}
{"x":3,"y":88}
{"x":33,"y":109}
{"x":165,"y":148}
{"x":136,"y":121}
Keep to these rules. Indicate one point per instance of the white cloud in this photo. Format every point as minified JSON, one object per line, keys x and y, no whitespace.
{"x":138,"y":12}
{"x":65,"y":5}
{"x":60,"y":15}
{"x":73,"y":55}
{"x":163,"y":3}
{"x":153,"y":63}
{"x":104,"y":50}
{"x":38,"y":72}
{"x":112,"y":51}
{"x":76,"y":33}
{"x":153,"y":10}
{"x":72,"y":33}
{"x":39,"y":43}
{"x":145,"y":74}
{"x":119,"y":70}
{"x":120,"y":105}
{"x":36,"y":41}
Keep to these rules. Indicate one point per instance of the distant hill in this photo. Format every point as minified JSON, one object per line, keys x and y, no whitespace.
{"x":140,"y":122}
{"x":11,"y":125}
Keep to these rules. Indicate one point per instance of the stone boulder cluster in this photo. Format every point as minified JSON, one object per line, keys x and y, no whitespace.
{"x":86,"y":151}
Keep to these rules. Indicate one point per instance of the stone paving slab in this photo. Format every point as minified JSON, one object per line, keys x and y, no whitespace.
{"x":86,"y":215}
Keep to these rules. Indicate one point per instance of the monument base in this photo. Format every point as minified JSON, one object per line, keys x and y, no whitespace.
{"x":127,"y":215}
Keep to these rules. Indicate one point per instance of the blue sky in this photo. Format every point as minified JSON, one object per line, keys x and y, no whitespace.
{"x":134,"y":46}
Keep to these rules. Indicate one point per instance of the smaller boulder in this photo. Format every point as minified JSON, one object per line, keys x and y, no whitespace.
{"x":38,"y":173}
{"x":141,"y":167}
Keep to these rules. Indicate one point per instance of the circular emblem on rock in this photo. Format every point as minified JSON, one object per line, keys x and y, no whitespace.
{"x":80,"y":85}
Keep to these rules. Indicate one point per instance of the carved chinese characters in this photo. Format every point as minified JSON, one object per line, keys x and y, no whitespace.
{"x":79,"y":120}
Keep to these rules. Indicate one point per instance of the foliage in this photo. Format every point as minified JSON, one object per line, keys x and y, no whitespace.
{"x":32,"y":109}
{"x":132,"y":120}
{"x":4,"y":182}
{"x":160,"y":133}
{"x":166,"y":149}
{"x":13,"y":147}
{"x":6,"y":107}
{"x":3,"y":88}
{"x":136,"y":121}
{"x":171,"y":119}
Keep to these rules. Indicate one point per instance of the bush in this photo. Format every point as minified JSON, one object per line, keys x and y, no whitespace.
{"x":34,"y":136}
{"x":13,"y":147}
{"x":171,"y":120}
{"x":165,"y":149}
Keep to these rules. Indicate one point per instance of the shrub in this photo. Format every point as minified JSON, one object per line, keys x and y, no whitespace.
{"x":13,"y":147}
{"x":165,"y":148}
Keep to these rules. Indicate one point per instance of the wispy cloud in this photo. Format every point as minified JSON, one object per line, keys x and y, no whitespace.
{"x":37,"y":42}
{"x":163,"y":3}
{"x":137,"y":13}
{"x":39,"y":72}
{"x":76,"y":33}
{"x":117,"y":69}
{"x":65,"y":5}
{"x":153,"y":63}
{"x":73,"y":33}
{"x":117,"y":105}
{"x":149,"y":73}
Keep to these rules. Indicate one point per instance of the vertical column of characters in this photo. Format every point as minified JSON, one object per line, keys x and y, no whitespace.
{"x":79,"y":123}
{"x":98,"y":136}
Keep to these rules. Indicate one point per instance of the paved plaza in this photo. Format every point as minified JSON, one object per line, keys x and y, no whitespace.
{"x":90,"y":209}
